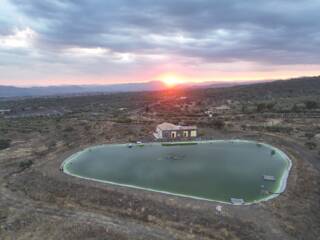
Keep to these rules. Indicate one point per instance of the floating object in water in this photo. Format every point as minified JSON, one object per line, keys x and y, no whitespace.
{"x":265,"y":192}
{"x":175,"y":157}
{"x":129,"y":145}
{"x":268,"y":178}
{"x":237,"y":201}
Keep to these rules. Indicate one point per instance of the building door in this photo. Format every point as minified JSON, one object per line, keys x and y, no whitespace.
{"x":173,"y":134}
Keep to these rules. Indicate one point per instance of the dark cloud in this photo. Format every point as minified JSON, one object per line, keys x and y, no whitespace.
{"x":278,"y":32}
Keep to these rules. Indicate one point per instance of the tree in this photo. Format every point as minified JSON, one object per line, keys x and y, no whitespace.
{"x":311,"y":104}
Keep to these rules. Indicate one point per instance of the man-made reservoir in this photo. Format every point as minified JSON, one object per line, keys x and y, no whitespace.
{"x":227,"y":171}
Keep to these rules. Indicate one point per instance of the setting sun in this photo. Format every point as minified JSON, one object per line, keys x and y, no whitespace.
{"x":171,"y":80}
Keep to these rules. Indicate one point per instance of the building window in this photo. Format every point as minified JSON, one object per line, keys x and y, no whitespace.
{"x":185,"y":134}
{"x":193,"y":133}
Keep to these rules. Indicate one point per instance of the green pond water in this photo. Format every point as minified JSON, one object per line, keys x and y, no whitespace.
{"x":216,"y":170}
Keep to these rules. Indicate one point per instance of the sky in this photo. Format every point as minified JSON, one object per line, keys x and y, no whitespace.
{"x":58,"y":42}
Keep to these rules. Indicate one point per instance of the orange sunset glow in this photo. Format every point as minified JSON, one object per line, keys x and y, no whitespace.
{"x":165,"y":46}
{"x":171,"y":80}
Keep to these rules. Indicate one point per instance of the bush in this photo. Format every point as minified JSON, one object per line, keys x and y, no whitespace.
{"x":25,"y":164}
{"x":309,"y":135}
{"x":124,"y":120}
{"x":68,"y":129}
{"x":219,"y":124}
{"x":201,"y":133}
{"x":5,"y":143}
{"x":311,"y":104}
{"x":280,"y":129}
{"x":311,"y":145}
{"x":87,"y":127}
{"x":261,"y":107}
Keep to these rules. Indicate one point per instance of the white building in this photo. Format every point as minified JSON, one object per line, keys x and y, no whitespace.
{"x":170,"y":131}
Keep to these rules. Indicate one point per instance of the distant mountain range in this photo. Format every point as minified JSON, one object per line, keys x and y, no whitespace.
{"x":11,"y":91}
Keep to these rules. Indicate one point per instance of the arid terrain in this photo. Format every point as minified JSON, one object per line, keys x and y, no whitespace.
{"x":38,"y":201}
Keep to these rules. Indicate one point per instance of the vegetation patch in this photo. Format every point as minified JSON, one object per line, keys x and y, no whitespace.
{"x":25,"y":164}
{"x":4,"y":143}
{"x":311,"y":145}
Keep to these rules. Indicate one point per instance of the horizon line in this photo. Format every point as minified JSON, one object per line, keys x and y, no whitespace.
{"x":152,"y":81}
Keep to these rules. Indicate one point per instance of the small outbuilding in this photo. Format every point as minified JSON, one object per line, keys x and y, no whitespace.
{"x":4,"y":111}
{"x":169,"y":131}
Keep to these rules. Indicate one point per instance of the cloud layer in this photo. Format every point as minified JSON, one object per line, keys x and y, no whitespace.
{"x":111,"y":40}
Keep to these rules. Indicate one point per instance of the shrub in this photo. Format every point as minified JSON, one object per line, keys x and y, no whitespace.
{"x":311,"y":145}
{"x":5,"y":143}
{"x":201,"y":133}
{"x":309,"y":135}
{"x":311,"y":104}
{"x":282,"y":129}
{"x":218,"y":123}
{"x":261,"y":107}
{"x":124,"y":120}
{"x":25,"y":164}
{"x":68,"y":129}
